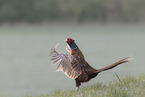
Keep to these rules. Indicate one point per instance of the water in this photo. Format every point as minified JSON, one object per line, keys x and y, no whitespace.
{"x":25,"y":67}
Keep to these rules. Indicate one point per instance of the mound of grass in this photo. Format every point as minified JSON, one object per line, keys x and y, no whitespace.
{"x":128,"y":86}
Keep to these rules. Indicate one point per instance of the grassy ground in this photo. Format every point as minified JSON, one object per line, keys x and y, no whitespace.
{"x":129,"y":86}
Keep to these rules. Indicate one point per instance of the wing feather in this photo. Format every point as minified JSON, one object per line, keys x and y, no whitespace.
{"x":67,"y":63}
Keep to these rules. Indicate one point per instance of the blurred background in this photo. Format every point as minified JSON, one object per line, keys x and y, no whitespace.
{"x":36,"y":11}
{"x":105,"y":30}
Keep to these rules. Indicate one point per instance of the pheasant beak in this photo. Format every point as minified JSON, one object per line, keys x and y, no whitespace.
{"x":66,"y":40}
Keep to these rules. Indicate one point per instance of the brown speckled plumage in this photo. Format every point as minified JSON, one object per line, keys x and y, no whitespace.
{"x":75,"y":66}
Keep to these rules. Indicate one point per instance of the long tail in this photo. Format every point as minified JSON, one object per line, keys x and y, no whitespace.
{"x":127,"y":59}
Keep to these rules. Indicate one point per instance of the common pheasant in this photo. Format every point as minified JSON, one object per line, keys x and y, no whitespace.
{"x":74,"y":64}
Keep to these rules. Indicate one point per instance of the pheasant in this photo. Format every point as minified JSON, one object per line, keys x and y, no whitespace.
{"x":74,"y":64}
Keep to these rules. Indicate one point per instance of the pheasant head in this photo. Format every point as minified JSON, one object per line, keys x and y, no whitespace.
{"x":72,"y":44}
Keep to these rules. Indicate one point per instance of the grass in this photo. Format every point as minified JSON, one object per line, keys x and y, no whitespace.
{"x":128,"y":86}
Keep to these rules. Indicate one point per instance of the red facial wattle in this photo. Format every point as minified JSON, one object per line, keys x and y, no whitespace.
{"x":69,"y":41}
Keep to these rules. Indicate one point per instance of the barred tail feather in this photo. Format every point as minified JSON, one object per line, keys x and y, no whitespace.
{"x":127,"y":59}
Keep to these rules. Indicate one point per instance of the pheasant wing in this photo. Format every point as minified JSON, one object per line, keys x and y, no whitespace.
{"x":67,"y":63}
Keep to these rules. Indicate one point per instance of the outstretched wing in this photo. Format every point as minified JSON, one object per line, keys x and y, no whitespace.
{"x":67,"y":63}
